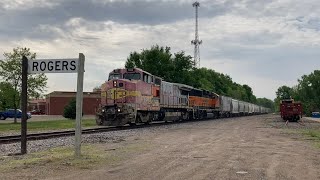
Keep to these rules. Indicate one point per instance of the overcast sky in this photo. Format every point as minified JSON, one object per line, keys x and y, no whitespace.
{"x":262,"y":43}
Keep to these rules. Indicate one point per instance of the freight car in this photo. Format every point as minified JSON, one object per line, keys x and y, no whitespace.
{"x":241,"y":108}
{"x":133,"y":96}
{"x":234,"y":107}
{"x":290,"y":110}
{"x":225,"y":106}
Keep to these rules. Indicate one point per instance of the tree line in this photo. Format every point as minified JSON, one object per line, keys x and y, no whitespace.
{"x":307,"y":91}
{"x":179,"y":67}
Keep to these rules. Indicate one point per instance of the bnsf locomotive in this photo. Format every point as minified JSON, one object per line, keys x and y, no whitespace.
{"x":133,"y":96}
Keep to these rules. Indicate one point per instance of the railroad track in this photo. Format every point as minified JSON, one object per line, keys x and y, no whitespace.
{"x":55,"y":134}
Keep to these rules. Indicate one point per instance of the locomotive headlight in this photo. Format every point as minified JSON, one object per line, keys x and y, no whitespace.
{"x":114,"y":83}
{"x":119,"y":110}
{"x":103,"y":110}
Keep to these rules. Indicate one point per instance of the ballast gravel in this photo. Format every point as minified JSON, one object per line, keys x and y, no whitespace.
{"x":104,"y":137}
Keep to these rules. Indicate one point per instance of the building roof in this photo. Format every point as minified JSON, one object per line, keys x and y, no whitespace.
{"x":35,"y":101}
{"x":72,"y":94}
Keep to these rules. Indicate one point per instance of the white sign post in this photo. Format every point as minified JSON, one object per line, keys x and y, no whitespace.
{"x":65,"y":66}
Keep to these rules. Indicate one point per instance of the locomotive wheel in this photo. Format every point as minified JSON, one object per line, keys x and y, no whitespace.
{"x":147,"y":123}
{"x":138,"y":120}
{"x":99,"y":121}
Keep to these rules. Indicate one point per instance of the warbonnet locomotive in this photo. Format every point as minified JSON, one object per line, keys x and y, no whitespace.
{"x":133,"y":96}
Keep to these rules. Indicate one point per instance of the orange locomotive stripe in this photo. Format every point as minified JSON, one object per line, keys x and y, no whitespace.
{"x":203,"y":102}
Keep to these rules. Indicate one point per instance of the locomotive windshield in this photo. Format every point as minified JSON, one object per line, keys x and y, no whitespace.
{"x":135,"y":76}
{"x":114,"y":76}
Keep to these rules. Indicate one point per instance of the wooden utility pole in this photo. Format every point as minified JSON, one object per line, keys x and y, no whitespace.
{"x":24,"y":101}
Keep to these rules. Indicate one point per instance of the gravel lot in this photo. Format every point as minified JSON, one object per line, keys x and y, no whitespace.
{"x":254,"y":147}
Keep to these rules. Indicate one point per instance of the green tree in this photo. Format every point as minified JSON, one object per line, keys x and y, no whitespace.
{"x":161,"y":62}
{"x":10,"y":72}
{"x":308,"y":90}
{"x":179,"y":68}
{"x":268,"y":103}
{"x":70,"y":109}
{"x":284,"y":92}
{"x":7,"y":93}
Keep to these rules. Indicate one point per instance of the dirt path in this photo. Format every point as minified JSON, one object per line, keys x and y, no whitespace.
{"x":255,"y":147}
{"x":242,"y":148}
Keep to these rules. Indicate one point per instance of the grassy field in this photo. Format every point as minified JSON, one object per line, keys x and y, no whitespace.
{"x":46,"y":125}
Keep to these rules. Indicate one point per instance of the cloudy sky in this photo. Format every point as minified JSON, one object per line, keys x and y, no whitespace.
{"x":262,"y":43}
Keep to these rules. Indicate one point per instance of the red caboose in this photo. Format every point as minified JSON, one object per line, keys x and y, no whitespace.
{"x":291,"y":110}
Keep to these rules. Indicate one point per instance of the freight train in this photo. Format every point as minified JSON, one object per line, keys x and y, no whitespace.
{"x":133,"y":96}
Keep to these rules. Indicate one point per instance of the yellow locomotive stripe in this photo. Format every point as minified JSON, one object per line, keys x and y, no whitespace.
{"x":117,"y":93}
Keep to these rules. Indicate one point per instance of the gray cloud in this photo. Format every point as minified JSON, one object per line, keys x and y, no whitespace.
{"x":261,"y":43}
{"x":25,"y":22}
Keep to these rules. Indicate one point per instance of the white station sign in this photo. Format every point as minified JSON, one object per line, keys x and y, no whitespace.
{"x":53,"y":66}
{"x":75,"y":65}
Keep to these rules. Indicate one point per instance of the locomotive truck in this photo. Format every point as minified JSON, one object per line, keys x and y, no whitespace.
{"x":133,"y":96}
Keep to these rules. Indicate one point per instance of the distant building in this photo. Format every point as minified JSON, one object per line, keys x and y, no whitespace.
{"x":37,"y":104}
{"x":57,"y":100}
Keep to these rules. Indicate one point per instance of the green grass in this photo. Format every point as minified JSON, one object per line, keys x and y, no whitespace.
{"x":93,"y":155}
{"x":313,"y":135}
{"x":45,"y":125}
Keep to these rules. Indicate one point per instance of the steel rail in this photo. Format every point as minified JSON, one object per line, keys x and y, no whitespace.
{"x":55,"y":134}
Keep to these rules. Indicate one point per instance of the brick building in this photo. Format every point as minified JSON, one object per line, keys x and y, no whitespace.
{"x":37,"y":104}
{"x":57,"y":100}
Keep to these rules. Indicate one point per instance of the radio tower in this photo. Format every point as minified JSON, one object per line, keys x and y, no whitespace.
{"x":196,"y":42}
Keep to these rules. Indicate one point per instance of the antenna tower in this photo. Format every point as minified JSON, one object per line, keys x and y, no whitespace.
{"x":196,"y":42}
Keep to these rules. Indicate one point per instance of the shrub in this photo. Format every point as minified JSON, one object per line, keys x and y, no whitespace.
{"x":70,"y":110}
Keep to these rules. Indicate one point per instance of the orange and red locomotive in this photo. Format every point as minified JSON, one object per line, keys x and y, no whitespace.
{"x":136,"y":96}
